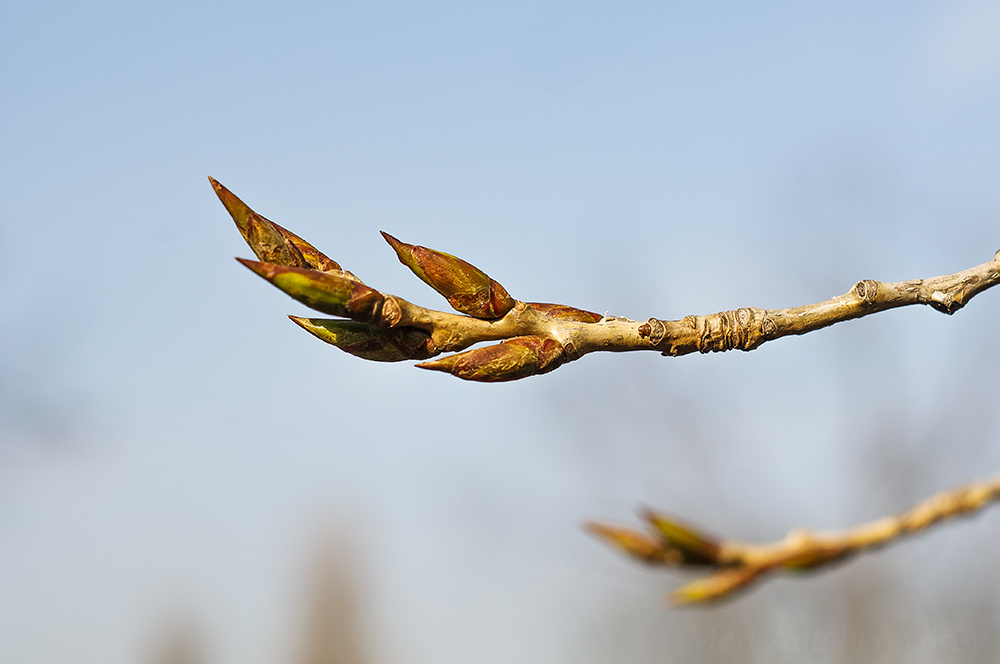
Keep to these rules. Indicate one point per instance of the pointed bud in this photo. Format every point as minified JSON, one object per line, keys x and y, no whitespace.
{"x":635,"y":543}
{"x":513,"y":359}
{"x":328,"y":292}
{"x":563,"y":312}
{"x":717,"y":586}
{"x":269,"y":241}
{"x":696,"y":547}
{"x":467,"y":288}
{"x":371,"y":342}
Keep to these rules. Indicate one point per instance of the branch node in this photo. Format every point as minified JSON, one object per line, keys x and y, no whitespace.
{"x":391,"y":313}
{"x":654,"y":329}
{"x":731,"y":329}
{"x":945,"y":303}
{"x":768,"y":328}
{"x":867,"y":290}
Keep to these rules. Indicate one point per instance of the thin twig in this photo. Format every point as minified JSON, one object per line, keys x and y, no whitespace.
{"x":537,"y":337}
{"x":748,"y":328}
{"x":667,"y":541}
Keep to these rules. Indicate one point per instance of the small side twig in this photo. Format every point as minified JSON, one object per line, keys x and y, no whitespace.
{"x":737,"y":565}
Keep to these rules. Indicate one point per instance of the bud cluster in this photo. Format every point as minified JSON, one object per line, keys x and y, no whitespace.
{"x":375,"y":328}
{"x":668,"y":541}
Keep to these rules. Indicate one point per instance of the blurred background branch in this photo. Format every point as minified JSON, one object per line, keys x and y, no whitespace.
{"x":672,"y":543}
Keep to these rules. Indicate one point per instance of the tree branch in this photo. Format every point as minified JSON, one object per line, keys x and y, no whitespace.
{"x":737,"y":565}
{"x":748,"y":328}
{"x":536,"y":338}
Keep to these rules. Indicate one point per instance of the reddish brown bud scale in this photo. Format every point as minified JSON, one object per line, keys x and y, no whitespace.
{"x":513,"y":359}
{"x":467,"y":288}
{"x":563,"y":312}
{"x":270,"y":242}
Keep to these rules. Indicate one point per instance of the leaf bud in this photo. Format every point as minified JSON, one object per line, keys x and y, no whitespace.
{"x":515,"y":358}
{"x":270,"y":242}
{"x":467,"y":288}
{"x":371,"y":342}
{"x":329,"y":292}
{"x":696,"y":547}
{"x":635,"y":543}
{"x":716,"y":586}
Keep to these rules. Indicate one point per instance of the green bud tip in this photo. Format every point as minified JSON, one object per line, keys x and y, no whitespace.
{"x":330,"y":293}
{"x":718,"y":586}
{"x":696,"y":547}
{"x":637,"y":544}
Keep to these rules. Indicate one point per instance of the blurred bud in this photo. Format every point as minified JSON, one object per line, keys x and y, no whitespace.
{"x":816,"y":554}
{"x":562,"y":312}
{"x":371,"y":342}
{"x":717,"y":586}
{"x":329,"y":292}
{"x":467,"y":288}
{"x":513,"y":359}
{"x":696,"y":547}
{"x":635,"y":543}
{"x":269,"y":241}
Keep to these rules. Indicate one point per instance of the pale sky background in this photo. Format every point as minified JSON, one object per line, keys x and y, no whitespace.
{"x":174,"y":451}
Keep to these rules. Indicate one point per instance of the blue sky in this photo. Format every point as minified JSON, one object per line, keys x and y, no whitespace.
{"x":171,"y":445}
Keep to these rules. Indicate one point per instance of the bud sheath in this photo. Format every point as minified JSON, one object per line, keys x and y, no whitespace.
{"x":467,"y":288}
{"x":269,"y":241}
{"x":513,"y":359}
